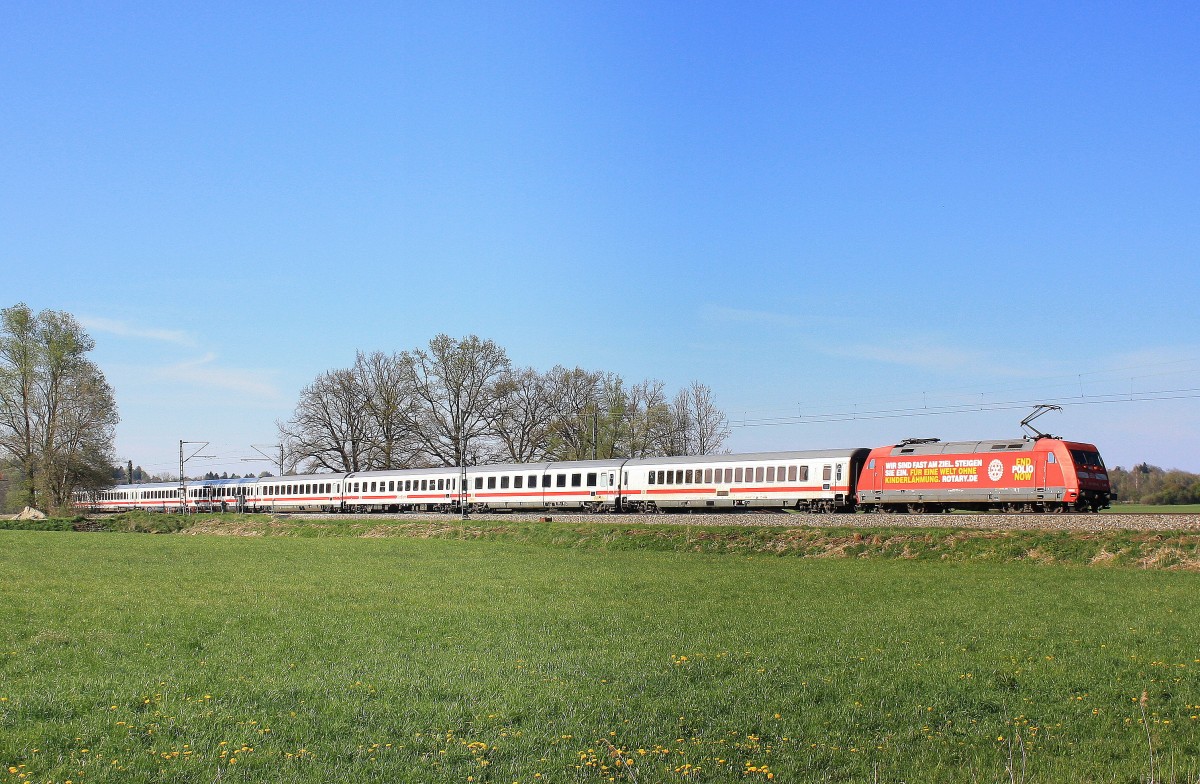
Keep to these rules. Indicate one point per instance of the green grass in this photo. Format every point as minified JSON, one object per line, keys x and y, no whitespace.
{"x":1120,"y":508}
{"x":345,"y":659}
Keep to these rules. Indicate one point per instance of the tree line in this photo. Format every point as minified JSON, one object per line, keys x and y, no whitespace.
{"x":461,"y":401}
{"x":58,"y":415}
{"x":1148,"y":484}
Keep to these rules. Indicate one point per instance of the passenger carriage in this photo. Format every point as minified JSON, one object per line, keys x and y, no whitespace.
{"x":818,"y":480}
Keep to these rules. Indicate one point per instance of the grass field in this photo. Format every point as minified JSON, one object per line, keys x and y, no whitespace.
{"x":1154,"y":509}
{"x":336,"y":659}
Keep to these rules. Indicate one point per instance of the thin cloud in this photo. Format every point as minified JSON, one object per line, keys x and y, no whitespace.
{"x":205,"y":372}
{"x":126,"y":330}
{"x":934,"y":357}
{"x":723,"y":314}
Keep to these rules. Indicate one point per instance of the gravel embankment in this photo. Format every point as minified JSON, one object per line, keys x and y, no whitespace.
{"x":1059,"y":522}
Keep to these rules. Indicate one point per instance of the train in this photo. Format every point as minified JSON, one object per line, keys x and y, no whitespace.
{"x":1025,"y":474}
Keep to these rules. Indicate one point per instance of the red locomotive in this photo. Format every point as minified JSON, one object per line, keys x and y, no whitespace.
{"x":1039,"y":473}
{"x":1043,"y":475}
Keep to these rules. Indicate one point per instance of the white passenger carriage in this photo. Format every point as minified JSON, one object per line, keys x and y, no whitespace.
{"x":813,"y":480}
{"x":586,"y":484}
{"x":424,"y":489}
{"x":300,"y":493}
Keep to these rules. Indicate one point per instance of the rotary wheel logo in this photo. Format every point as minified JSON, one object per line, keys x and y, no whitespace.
{"x":995,"y":470}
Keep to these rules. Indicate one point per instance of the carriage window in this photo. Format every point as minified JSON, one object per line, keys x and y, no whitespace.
{"x":708,"y":476}
{"x":576,"y":480}
{"x":758,"y":474}
{"x":391,"y":486}
{"x":479,"y":483}
{"x":560,"y":480}
{"x":839,"y":472}
{"x":737,"y":474}
{"x":407,"y":485}
{"x":517,"y":482}
{"x":670,"y":477}
{"x":779,"y":473}
{"x":826,"y":472}
{"x":491,"y":483}
{"x":591,"y":480}
{"x":661,"y":479}
{"x":803,"y":473}
{"x":687,"y":477}
{"x":545,"y":480}
{"x":504,"y":483}
{"x":533,"y":480}
{"x":792,"y":473}
{"x":424,"y":484}
{"x":770,"y":473}
{"x":441,"y":484}
{"x":650,"y":476}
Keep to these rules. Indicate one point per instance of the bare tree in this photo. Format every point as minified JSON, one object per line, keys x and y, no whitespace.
{"x":574,"y":395}
{"x":81,"y":454}
{"x":646,"y":419}
{"x":522,"y":419}
{"x":391,"y":404}
{"x":57,"y":412}
{"x":456,"y":384}
{"x":693,"y":424}
{"x":710,"y":426}
{"x":327,"y":429}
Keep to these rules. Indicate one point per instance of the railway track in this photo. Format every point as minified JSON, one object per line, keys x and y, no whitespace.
{"x":1062,"y":522}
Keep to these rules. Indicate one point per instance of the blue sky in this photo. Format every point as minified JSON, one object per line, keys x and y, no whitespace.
{"x":817,"y":207}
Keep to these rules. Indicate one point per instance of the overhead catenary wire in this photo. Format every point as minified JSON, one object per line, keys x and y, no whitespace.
{"x":856,"y":414}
